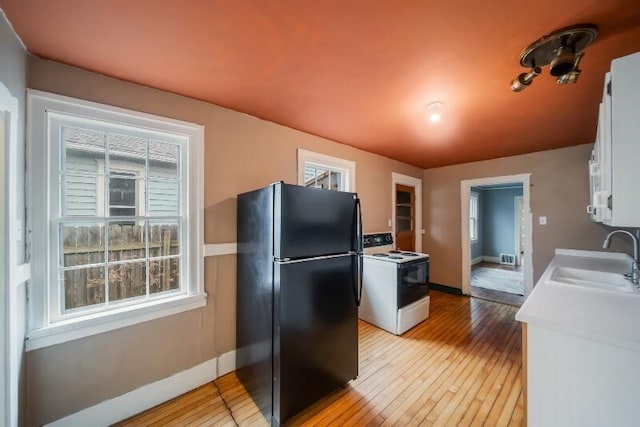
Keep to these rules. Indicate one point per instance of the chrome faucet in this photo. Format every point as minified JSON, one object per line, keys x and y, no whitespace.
{"x":634,"y":276}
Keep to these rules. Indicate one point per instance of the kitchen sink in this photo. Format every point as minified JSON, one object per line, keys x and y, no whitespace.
{"x":593,"y":279}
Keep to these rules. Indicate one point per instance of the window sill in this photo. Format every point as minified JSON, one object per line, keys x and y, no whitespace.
{"x":74,"y":329}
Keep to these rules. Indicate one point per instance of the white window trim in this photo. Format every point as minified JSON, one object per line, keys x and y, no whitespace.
{"x":347,"y":167}
{"x":42,"y":332}
{"x":474,"y":239}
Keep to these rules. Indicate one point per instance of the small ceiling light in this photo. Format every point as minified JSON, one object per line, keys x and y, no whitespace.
{"x":562,"y":50}
{"x":435,"y":109}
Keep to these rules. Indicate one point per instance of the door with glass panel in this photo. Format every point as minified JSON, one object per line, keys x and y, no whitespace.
{"x":405,"y":218}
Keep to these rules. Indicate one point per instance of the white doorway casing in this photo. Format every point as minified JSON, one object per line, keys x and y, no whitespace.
{"x":13,"y":275}
{"x":519,"y":222}
{"x":465,"y":190}
{"x":416,"y":183}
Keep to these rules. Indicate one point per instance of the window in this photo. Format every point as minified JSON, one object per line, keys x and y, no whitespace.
{"x":124,"y":225}
{"x":327,"y":172}
{"x":473,"y":217}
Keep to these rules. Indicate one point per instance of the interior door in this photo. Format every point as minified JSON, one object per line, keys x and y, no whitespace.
{"x":405,"y":218}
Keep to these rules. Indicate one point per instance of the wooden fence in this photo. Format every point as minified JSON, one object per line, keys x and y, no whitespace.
{"x":85,"y":246}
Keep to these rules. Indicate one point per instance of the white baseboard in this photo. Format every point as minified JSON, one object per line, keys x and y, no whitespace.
{"x":226,"y":363}
{"x":476,"y":260}
{"x":493,"y":259}
{"x":132,"y":403}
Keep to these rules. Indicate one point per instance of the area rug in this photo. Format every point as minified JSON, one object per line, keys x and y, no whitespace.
{"x":498,"y":280}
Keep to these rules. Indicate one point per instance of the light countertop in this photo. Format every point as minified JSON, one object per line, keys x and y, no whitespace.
{"x":602,"y":315}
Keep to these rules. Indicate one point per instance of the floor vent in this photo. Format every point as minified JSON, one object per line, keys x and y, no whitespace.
{"x":509,"y":259}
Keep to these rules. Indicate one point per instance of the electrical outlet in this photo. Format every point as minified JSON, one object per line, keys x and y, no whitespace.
{"x":543,"y":220}
{"x":389,"y":223}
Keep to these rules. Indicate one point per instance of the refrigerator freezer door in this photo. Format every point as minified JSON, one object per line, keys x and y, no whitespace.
{"x":312,"y":222}
{"x":315,"y":331}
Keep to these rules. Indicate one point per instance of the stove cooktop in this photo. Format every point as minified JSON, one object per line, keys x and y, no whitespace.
{"x":396,"y":256}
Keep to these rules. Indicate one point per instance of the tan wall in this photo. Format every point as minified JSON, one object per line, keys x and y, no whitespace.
{"x":241,"y":153}
{"x":559,"y":191}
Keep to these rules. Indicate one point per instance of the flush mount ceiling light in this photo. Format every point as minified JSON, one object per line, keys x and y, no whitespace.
{"x":435,"y":109}
{"x":562,"y":50}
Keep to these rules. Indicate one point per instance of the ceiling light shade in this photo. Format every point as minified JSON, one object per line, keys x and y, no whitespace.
{"x":561,"y":50}
{"x":523,"y":81}
{"x":435,"y":109}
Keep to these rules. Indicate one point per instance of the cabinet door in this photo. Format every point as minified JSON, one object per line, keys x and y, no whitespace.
{"x":625,"y":143}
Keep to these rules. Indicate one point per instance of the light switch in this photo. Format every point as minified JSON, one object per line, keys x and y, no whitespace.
{"x":389,"y":223}
{"x":423,"y":231}
{"x":543,"y":220}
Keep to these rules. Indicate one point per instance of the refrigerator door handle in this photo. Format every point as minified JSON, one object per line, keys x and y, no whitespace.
{"x":360,"y":248}
{"x":359,"y":298}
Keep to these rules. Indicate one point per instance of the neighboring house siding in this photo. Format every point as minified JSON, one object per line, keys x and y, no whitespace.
{"x":82,"y":189}
{"x":163,"y":193}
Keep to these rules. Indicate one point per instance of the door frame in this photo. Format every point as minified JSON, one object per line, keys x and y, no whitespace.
{"x":517,"y":227}
{"x":11,"y":335}
{"x":416,"y":183}
{"x":465,"y":190}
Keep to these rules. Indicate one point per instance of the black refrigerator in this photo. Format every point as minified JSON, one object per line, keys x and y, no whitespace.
{"x":299,"y":281}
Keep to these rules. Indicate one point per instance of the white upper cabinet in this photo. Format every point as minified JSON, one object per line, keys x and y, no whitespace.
{"x":614,"y":168}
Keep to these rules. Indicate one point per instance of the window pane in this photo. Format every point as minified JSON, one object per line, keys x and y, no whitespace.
{"x":164,"y":238}
{"x":127,"y":240}
{"x":164,"y":275}
{"x":116,"y":211}
{"x":122,"y":192}
{"x":404,"y":211}
{"x":127,"y":153}
{"x":80,"y":195}
{"x":163,"y":160}
{"x":83,"y":287}
{"x":164,"y":198}
{"x":83,"y":149}
{"x":403,"y":225}
{"x":127,"y":280}
{"x":403,"y":197}
{"x":82,"y":243}
{"x":336,"y":181}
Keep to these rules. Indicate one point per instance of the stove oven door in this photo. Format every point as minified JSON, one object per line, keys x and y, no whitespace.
{"x":413,"y":281}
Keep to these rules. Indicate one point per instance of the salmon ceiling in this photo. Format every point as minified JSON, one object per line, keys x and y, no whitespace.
{"x":360,"y":72}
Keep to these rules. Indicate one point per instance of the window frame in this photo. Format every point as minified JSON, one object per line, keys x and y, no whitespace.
{"x":346,"y":167}
{"x":473,"y":216}
{"x":45,"y":328}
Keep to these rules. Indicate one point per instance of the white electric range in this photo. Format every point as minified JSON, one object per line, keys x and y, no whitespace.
{"x":395,"y":285}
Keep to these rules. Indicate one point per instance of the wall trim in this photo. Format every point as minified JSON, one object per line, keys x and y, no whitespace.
{"x":445,"y":288}
{"x":226,"y":363}
{"x":477,"y":260}
{"x":493,"y":259}
{"x":216,"y":249}
{"x":143,"y":398}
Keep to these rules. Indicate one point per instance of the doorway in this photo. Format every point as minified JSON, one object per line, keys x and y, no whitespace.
{"x":406,"y":212}
{"x":509,"y":254}
{"x":405,"y":218}
{"x":4,"y":320}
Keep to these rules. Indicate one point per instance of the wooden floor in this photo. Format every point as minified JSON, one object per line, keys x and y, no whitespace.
{"x":490,"y":294}
{"x":461,"y":367}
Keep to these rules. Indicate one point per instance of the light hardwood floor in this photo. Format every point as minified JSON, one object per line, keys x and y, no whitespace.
{"x":461,"y":367}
